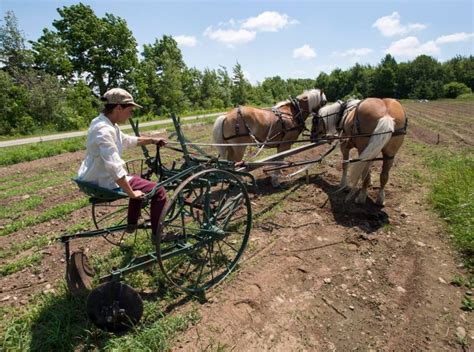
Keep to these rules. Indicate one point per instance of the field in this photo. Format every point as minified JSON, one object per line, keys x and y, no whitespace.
{"x":318,"y":274}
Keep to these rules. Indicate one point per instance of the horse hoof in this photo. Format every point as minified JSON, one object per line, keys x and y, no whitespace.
{"x":361,"y":198}
{"x":380,"y":201}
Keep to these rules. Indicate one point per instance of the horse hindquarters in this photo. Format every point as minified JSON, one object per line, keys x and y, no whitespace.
{"x":380,"y":137}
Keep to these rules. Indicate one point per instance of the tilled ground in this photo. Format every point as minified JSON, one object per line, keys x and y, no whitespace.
{"x":319,"y":274}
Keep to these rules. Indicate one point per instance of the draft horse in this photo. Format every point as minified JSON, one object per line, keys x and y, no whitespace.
{"x":372,"y":126}
{"x":283,"y":123}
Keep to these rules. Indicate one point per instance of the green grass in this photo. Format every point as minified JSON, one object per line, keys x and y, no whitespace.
{"x":20,"y":264}
{"x":29,"y":152}
{"x":58,"y":322}
{"x":452,"y":195}
{"x":56,"y":212}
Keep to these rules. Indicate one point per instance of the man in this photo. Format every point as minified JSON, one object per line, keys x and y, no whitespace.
{"x":103,"y":164}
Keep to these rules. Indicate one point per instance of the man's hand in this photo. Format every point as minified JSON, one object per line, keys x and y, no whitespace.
{"x":159,"y":141}
{"x":137,"y":194}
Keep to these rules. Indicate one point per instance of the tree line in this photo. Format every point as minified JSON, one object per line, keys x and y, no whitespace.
{"x":54,"y":84}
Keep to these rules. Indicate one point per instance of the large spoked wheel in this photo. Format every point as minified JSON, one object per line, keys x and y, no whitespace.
{"x":112,"y":214}
{"x":204,"y":230}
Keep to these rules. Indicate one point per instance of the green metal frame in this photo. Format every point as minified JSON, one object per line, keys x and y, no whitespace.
{"x":171,"y":179}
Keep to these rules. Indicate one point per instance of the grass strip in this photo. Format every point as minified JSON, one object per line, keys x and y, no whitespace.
{"x":55,"y":212}
{"x":39,"y":185}
{"x":452,"y":195}
{"x":16,"y":208}
{"x":20,"y":264}
{"x":17,"y":154}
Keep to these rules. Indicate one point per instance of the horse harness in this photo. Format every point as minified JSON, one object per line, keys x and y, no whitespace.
{"x":300,"y":124}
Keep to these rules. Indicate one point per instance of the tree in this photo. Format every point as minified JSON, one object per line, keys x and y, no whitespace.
{"x":225,"y":86}
{"x":210,"y":96}
{"x":455,"y":89}
{"x":275,"y":88}
{"x":164,"y":71}
{"x":100,"y":50}
{"x":461,"y":70}
{"x":240,"y":86}
{"x":360,"y":78}
{"x":14,"y":57}
{"x":425,"y":78}
{"x":338,"y":85}
{"x":14,"y":114}
{"x":384,"y":79}
{"x":191,"y":81}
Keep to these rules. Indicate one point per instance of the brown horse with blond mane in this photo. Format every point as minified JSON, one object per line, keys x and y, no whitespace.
{"x":372,"y":126}
{"x":266,"y":128}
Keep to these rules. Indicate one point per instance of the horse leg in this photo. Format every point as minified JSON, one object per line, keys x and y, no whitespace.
{"x":235,"y":153}
{"x":362,"y":197}
{"x":387,"y":165}
{"x":275,"y":175}
{"x":345,"y":166}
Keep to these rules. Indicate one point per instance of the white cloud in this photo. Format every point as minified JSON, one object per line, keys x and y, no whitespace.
{"x":390,"y":25}
{"x":454,"y":38}
{"x":305,"y":53}
{"x":185,"y":40}
{"x":411,"y":47}
{"x":230,"y":37}
{"x":353,"y":52}
{"x":268,"y":21}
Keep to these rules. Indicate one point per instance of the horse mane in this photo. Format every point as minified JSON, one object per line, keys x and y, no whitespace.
{"x":281,"y":103}
{"x":313,"y":96}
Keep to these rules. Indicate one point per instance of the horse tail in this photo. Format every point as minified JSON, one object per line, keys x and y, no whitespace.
{"x":218,"y":137}
{"x":381,"y":136}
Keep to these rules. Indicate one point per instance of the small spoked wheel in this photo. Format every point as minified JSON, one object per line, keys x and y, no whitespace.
{"x":204,"y":229}
{"x":112,"y":214}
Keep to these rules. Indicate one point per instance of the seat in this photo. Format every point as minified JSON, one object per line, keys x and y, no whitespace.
{"x":98,"y":193}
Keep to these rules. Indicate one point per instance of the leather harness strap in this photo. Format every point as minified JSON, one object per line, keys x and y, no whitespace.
{"x":300,"y":125}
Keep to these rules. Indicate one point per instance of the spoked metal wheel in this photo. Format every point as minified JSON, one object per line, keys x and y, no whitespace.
{"x":204,"y":229}
{"x":113,"y":214}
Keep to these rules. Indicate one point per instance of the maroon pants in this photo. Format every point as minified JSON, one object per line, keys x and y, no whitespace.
{"x":157,"y":202}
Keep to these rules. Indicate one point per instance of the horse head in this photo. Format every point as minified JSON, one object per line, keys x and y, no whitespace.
{"x":311,"y":101}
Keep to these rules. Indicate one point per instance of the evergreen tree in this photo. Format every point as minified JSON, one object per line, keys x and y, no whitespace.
{"x":240,"y":86}
{"x":14,"y":57}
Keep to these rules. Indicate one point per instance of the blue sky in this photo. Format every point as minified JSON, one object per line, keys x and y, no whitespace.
{"x":292,"y":39}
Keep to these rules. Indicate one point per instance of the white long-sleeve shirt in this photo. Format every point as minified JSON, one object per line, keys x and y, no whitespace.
{"x":103,"y":164}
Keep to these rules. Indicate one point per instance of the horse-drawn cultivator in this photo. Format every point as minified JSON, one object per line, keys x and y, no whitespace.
{"x":205,"y":225}
{"x":202,"y":233}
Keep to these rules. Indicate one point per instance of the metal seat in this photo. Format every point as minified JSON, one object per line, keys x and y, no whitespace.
{"x":98,"y":193}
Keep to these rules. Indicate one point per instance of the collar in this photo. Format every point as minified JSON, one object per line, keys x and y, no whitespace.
{"x":105,"y":119}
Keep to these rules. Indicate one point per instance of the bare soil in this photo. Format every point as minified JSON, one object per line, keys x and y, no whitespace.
{"x":319,"y":274}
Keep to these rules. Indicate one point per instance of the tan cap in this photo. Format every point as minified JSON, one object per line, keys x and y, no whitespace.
{"x":118,"y":96}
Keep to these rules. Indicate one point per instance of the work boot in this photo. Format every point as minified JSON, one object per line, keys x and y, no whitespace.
{"x":131,"y":228}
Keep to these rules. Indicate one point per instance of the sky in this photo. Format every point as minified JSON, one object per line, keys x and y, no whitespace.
{"x":290,"y":39}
